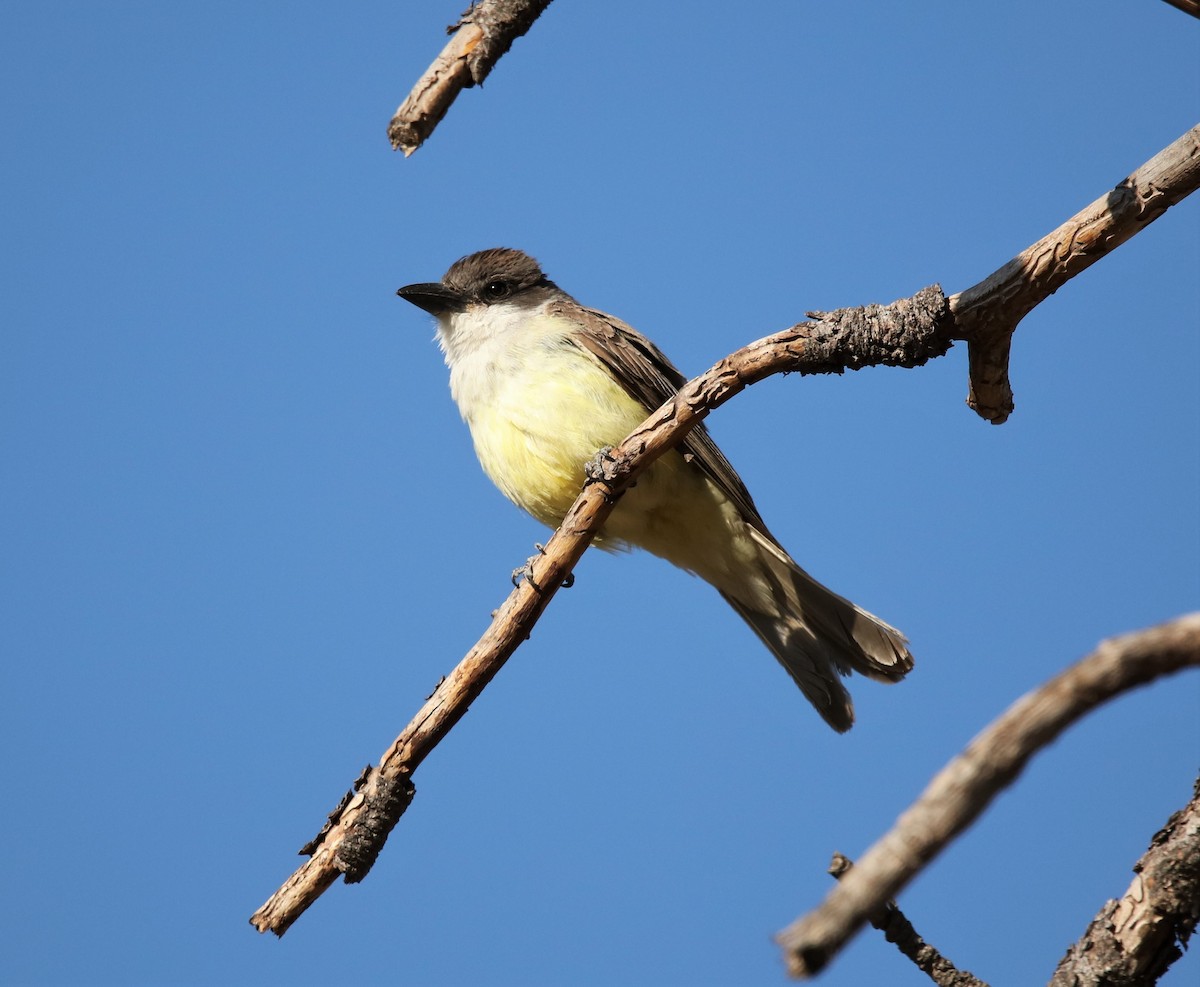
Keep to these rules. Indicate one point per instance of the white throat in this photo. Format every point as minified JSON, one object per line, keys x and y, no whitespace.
{"x":489,"y":347}
{"x":485,"y":327}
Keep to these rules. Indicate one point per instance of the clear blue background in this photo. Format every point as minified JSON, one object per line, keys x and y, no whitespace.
{"x":243,"y":532}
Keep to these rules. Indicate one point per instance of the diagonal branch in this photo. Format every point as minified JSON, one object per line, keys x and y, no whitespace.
{"x":480,"y":36}
{"x":906,"y":333}
{"x":897,"y":929}
{"x":1187,"y":6}
{"x":987,"y":314}
{"x":967,"y":785}
{"x":1136,"y":939}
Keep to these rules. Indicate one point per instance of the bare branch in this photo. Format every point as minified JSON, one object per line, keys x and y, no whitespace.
{"x":987,"y":314}
{"x":482,"y":33}
{"x":1133,"y":941}
{"x":897,"y":929}
{"x":906,"y":333}
{"x":1187,"y":6}
{"x":964,"y":788}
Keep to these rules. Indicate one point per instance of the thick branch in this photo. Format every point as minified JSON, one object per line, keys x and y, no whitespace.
{"x":964,"y":788}
{"x":987,"y":314}
{"x":1133,"y":941}
{"x":906,"y":333}
{"x":482,"y":33}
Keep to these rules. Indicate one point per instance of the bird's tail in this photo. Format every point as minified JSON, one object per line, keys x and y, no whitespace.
{"x":819,"y":636}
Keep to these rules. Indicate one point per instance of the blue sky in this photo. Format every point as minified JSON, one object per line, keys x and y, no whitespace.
{"x":244,"y":533}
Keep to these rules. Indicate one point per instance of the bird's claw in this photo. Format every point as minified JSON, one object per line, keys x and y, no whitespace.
{"x":602,"y":468}
{"x":525,"y":572}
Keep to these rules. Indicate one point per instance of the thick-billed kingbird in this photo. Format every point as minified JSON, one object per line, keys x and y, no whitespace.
{"x":544,"y":383}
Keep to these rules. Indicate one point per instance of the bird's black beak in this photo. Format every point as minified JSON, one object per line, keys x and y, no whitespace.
{"x":434,"y":297}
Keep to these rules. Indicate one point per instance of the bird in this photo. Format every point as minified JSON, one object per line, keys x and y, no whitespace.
{"x":543,"y":383}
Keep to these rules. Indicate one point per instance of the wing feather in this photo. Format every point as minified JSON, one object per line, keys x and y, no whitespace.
{"x":646,"y":374}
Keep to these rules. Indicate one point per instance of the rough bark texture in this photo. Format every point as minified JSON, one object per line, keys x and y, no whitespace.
{"x":1133,"y":941}
{"x":907,"y":333}
{"x":965,"y":787}
{"x":481,"y":35}
{"x":987,"y":314}
{"x":899,"y":931}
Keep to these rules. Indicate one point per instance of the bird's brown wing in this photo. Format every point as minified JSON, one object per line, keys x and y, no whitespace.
{"x":651,"y":380}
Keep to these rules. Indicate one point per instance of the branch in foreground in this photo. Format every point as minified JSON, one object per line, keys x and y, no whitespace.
{"x":482,"y":33}
{"x":965,"y":787}
{"x":1135,"y":940}
{"x":906,"y":333}
{"x":898,"y":930}
{"x":987,"y":314}
{"x":1187,"y":6}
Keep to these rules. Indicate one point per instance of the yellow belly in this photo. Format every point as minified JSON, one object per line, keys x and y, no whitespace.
{"x":543,"y":423}
{"x":549,"y":412}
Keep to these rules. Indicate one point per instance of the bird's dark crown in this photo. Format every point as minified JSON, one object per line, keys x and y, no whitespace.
{"x":494,"y":275}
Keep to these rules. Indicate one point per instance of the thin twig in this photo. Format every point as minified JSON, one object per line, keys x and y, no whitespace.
{"x":986,"y":315}
{"x":899,"y":931}
{"x":480,"y":36}
{"x":965,"y":787}
{"x":1134,"y":940}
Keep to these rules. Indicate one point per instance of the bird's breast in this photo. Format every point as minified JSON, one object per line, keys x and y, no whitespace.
{"x":538,"y":408}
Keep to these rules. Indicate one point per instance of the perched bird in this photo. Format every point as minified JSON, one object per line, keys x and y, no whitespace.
{"x":544,"y":383}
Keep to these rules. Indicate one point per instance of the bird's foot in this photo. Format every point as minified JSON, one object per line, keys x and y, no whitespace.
{"x":525,"y":572}
{"x":602,"y":468}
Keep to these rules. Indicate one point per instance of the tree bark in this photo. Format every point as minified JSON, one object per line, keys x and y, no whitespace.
{"x":967,"y":785}
{"x":480,"y":36}
{"x":897,"y":929}
{"x":1133,"y":941}
{"x":987,"y":314}
{"x":906,"y":333}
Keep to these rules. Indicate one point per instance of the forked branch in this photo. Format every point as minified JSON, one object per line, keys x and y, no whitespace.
{"x":899,"y":931}
{"x":1135,"y":939}
{"x":906,"y":333}
{"x":967,"y":785}
{"x":987,"y":314}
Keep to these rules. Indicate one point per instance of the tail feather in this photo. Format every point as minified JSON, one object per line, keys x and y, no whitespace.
{"x":817,"y":636}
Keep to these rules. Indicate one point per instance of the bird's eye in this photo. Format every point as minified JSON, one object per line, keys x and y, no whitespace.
{"x":497,"y":288}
